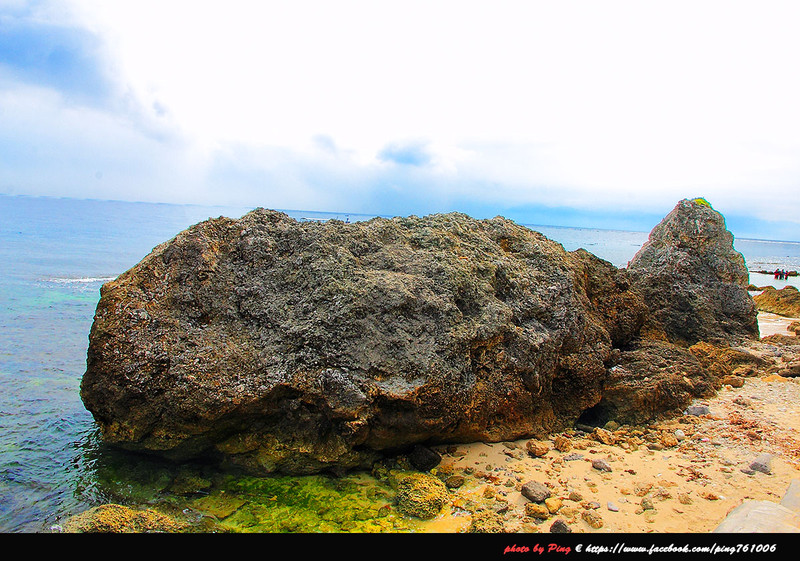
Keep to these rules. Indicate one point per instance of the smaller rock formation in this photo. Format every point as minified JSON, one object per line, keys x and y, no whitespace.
{"x":651,"y":378}
{"x":424,"y":458}
{"x":722,"y":361}
{"x":784,"y":302}
{"x":118,"y":519}
{"x":486,"y":522}
{"x":535,"y":492}
{"x":693,"y":280}
{"x":421,"y":495}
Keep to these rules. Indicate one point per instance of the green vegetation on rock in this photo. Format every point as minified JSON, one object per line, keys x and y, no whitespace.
{"x":315,"y":503}
{"x":116,"y":519}
{"x":702,"y":201}
{"x":421,"y":495}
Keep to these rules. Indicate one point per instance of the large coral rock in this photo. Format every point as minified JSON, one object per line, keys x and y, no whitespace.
{"x":297,"y":347}
{"x":693,"y":280}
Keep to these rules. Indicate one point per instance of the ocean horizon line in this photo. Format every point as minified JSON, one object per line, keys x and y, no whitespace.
{"x":248,"y":208}
{"x":300,"y":211}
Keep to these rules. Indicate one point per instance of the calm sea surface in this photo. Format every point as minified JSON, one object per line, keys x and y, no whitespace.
{"x":54,"y":256}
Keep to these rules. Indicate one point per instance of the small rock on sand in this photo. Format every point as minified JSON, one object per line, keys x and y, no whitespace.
{"x":697,"y":410}
{"x":553,"y":504}
{"x":536,"y":510}
{"x":535,"y":491}
{"x":562,"y":444}
{"x":762,"y":463}
{"x":537,"y":449}
{"x":592,"y":519}
{"x":454,"y":481}
{"x":601,"y":465}
{"x":602,"y":435}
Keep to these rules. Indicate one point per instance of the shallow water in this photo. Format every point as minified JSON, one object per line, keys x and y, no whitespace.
{"x":54,"y":256}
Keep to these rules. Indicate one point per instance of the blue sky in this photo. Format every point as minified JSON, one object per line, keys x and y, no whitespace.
{"x":579,"y":113}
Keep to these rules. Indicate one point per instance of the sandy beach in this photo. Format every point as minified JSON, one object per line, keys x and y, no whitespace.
{"x":773,"y":324}
{"x":684,"y":475}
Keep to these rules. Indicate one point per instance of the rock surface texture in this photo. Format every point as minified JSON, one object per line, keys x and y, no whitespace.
{"x":785,"y":302}
{"x":280,"y":346}
{"x":118,"y":519}
{"x":693,"y":280}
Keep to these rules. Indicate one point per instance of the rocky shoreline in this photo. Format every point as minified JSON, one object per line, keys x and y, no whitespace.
{"x":285,"y":347}
{"x":680,"y":475}
{"x":490,"y":380}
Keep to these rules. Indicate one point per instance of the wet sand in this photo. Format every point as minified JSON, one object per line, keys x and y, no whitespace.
{"x":772,"y":324}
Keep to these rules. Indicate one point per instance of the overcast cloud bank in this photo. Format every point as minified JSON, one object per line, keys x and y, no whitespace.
{"x":577,"y":113}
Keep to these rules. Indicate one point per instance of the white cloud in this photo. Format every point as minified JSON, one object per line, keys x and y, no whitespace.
{"x":49,"y":146}
{"x":619,"y":104}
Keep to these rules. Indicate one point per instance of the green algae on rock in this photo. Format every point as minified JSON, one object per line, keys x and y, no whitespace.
{"x":310,"y":503}
{"x":116,"y":519}
{"x":486,"y":522}
{"x":421,"y":495}
{"x":701,"y":201}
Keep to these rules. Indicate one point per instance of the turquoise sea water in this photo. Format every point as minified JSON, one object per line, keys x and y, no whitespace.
{"x":54,"y":256}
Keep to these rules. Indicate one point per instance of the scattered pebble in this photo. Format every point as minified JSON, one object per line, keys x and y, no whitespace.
{"x":553,"y":504}
{"x":537,"y":449}
{"x":601,"y":465}
{"x":698,"y":410}
{"x":592,"y":518}
{"x":602,"y":435}
{"x":535,"y":491}
{"x":762,"y":463}
{"x":562,"y":444}
{"x":454,"y":481}
{"x":536,"y":510}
